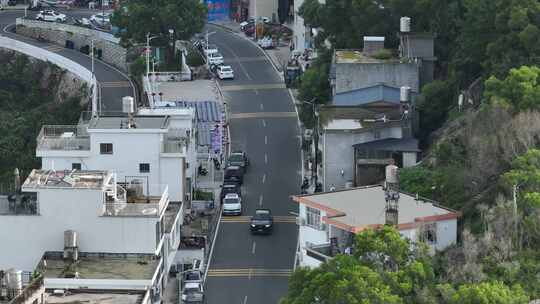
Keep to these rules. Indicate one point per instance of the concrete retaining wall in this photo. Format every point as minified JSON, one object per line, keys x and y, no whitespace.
{"x":58,"y":33}
{"x":54,"y":58}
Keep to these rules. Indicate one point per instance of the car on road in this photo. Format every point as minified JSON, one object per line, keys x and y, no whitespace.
{"x":51,"y":15}
{"x":238,"y":158}
{"x":266,"y":42}
{"x":225,"y":72}
{"x":101,"y":19}
{"x":192,"y":276}
{"x":215,"y":58}
{"x":262,"y":221}
{"x":229,"y":188}
{"x":193,"y":293}
{"x":233,"y":175}
{"x":232,"y":204}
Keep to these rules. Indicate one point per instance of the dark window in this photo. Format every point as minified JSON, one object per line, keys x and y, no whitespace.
{"x":144,"y":168}
{"x":106,"y":148}
{"x":76,"y":166}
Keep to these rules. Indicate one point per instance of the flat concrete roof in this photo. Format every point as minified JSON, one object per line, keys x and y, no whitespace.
{"x":197,"y":90}
{"x":357,"y":56}
{"x":95,"y":298}
{"x":359,"y":208}
{"x":87,"y":179}
{"x":100,"y":266}
{"x":343,"y":124}
{"x":141,"y":122}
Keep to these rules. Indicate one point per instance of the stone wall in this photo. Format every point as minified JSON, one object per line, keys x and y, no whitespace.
{"x":59,"y":33}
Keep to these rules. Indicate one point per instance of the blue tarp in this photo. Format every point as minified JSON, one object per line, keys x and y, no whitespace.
{"x":218,"y":10}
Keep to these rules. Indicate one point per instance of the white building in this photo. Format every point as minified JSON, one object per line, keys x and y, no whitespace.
{"x":329,"y":221}
{"x":113,"y":224}
{"x":151,"y":150}
{"x":264,"y":8}
{"x":302,"y":34}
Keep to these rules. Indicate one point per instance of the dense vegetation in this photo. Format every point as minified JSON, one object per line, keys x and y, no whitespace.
{"x":28,"y":99}
{"x":483,"y":160}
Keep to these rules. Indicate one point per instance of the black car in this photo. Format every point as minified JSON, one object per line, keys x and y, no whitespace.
{"x":230,"y":188}
{"x":262,"y":221}
{"x":238,"y":158}
{"x":234,"y":175}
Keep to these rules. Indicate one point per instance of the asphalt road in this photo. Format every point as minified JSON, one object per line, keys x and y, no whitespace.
{"x":249,"y":268}
{"x":114,"y":84}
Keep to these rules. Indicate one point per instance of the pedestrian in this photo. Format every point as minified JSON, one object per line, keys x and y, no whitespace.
{"x":348,"y":250}
{"x":332,"y":188}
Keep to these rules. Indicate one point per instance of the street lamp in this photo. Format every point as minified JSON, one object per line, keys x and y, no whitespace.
{"x":148,"y":39}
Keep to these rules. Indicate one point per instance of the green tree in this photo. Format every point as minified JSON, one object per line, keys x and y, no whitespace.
{"x":489,"y":293}
{"x":520,"y":90}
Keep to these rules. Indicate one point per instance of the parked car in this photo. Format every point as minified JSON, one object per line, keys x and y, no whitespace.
{"x":101,"y":18}
{"x":192,"y":276}
{"x":225,"y":72}
{"x":212,"y":48}
{"x":234,"y":174}
{"x":244,"y":24}
{"x":262,"y":221}
{"x":229,"y":188}
{"x":215,"y":58}
{"x":193,"y":293}
{"x":266,"y":42}
{"x":238,"y":158}
{"x":51,"y":15}
{"x":232,"y":204}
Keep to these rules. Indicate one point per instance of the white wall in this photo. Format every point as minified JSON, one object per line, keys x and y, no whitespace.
{"x":311,"y":235}
{"x":25,"y":238}
{"x":263,"y":8}
{"x":409,"y":159}
{"x":129,"y":150}
{"x":446,"y":234}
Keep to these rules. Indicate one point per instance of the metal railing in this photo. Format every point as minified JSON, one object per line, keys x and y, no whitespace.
{"x":24,"y":205}
{"x":140,"y":206}
{"x":63,"y":137}
{"x":321,"y":252}
{"x":33,"y":289}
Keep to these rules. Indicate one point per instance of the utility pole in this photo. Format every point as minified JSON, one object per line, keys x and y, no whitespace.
{"x":147,"y":54}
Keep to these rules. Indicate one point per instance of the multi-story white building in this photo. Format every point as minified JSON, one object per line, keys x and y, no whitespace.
{"x":150,"y":149}
{"x":302,"y":34}
{"x":106,"y":218}
{"x":329,"y":221}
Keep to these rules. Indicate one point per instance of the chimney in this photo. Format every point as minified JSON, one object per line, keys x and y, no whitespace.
{"x":373,"y":44}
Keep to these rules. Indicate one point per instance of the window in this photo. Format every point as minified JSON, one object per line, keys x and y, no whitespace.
{"x":76,"y":166}
{"x":144,"y":168}
{"x":106,"y":148}
{"x":313,"y":217}
{"x":428,"y":233}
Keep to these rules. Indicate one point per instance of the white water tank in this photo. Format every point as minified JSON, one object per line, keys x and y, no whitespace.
{"x":405,"y":94}
{"x":70,"y":239}
{"x":14,"y":281}
{"x":405,"y":24}
{"x":391,"y":174}
{"x":128,"y":104}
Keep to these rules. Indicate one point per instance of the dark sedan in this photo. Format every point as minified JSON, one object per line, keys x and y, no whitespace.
{"x":262,"y":221}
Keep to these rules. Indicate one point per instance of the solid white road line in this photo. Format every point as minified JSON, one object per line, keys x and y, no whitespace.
{"x":212,"y":249}
{"x":253,"y":248}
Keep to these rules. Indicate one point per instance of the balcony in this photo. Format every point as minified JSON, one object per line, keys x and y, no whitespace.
{"x":320,"y":252}
{"x":132,"y":202}
{"x":22,"y":204}
{"x":175,"y":146}
{"x":63,"y":138}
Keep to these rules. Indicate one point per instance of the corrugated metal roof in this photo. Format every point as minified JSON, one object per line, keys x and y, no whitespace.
{"x":367,"y":95}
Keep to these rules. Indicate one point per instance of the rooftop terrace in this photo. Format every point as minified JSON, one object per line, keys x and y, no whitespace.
{"x":100,"y":266}
{"x":97,"y":298}
{"x":42,"y":179}
{"x":141,"y":122}
{"x":357,"y":56}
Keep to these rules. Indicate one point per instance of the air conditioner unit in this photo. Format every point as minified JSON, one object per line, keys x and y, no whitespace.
{"x":300,"y":221}
{"x":322,"y":226}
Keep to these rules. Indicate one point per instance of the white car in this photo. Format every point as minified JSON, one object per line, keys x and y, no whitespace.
{"x":215,"y":59}
{"x":51,"y":16}
{"x":101,"y":18}
{"x":266,"y":42}
{"x":232,"y":204}
{"x":225,"y":72}
{"x":212,"y":48}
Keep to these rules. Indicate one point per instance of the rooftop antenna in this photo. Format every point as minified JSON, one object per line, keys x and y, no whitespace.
{"x":128,"y":106}
{"x":391,"y":194}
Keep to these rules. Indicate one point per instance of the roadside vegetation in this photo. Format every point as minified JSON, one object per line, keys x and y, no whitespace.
{"x":483,"y":160}
{"x":30,"y":96}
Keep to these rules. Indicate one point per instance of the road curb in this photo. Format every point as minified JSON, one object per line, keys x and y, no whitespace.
{"x":274,"y":65}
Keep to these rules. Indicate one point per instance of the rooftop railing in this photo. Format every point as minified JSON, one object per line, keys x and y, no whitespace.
{"x":63,"y":137}
{"x":137,"y":205}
